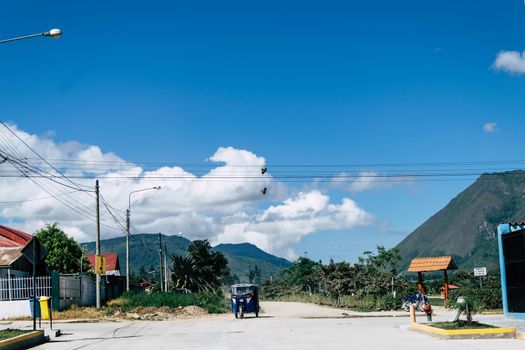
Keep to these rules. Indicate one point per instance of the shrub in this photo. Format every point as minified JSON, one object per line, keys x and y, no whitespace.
{"x":486,"y":297}
{"x":209,"y":301}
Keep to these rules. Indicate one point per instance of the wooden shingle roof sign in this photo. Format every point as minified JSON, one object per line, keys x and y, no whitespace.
{"x":438,"y":263}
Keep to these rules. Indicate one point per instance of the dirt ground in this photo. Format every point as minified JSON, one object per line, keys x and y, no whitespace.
{"x":93,"y":314}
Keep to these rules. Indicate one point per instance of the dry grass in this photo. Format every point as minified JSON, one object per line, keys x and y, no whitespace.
{"x":157,"y":306}
{"x":73,"y":313}
{"x":77,"y":312}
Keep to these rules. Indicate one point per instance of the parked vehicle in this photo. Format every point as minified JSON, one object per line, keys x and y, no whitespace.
{"x":244,"y":299}
{"x":418,"y":300}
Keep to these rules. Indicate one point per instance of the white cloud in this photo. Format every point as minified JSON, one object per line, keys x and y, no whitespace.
{"x":510,"y":61}
{"x":490,"y":128}
{"x":280,"y":226}
{"x":198,"y":205}
{"x":368,"y":181}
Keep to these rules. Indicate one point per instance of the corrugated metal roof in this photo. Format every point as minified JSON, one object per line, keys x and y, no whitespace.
{"x":438,"y":263}
{"x":10,"y":237}
{"x":9,"y":255}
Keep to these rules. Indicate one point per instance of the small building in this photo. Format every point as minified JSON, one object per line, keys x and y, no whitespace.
{"x":511,"y":242}
{"x":432,"y":264}
{"x":12,"y":261}
{"x":112,"y":263}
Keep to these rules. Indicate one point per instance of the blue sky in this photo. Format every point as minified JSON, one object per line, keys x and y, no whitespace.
{"x":295,"y":82}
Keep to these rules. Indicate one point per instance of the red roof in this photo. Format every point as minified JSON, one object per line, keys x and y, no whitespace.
{"x":9,"y":237}
{"x":111,"y":261}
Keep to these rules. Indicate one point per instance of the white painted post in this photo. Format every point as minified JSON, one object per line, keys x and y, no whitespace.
{"x":9,"y":283}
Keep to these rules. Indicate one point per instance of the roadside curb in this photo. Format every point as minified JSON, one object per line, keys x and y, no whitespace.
{"x":24,"y":341}
{"x":482,"y":333}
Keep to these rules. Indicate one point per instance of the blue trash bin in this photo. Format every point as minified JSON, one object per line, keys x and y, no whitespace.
{"x":31,"y":302}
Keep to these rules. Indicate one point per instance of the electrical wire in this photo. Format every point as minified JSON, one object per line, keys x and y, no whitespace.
{"x":38,"y":155}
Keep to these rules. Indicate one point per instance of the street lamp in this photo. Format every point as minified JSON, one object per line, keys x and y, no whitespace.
{"x":53,"y":33}
{"x":128,"y":213}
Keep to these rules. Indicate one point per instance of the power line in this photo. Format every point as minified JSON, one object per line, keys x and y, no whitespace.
{"x":332,"y":177}
{"x":38,"y":155}
{"x":290,"y":165}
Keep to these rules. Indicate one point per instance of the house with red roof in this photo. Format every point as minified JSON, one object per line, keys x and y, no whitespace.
{"x":112,"y":263}
{"x":12,"y":262}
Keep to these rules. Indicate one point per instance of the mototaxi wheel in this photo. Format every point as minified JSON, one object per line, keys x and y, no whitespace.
{"x":406,"y":306}
{"x":241,"y":312}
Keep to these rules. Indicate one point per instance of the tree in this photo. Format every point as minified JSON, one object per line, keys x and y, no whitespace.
{"x":186,"y":274}
{"x":201,"y":269}
{"x":63,"y":252}
{"x":338,"y":278}
{"x":254,"y":275}
{"x":303,"y":273}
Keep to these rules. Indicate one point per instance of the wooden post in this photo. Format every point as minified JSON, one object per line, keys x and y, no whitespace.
{"x":420,"y":287}
{"x":412,"y":313}
{"x":445,"y":290}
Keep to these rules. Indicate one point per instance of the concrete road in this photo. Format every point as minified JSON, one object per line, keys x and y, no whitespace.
{"x":281,"y":326}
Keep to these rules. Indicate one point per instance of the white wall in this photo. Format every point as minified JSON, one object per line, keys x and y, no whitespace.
{"x":14,"y":308}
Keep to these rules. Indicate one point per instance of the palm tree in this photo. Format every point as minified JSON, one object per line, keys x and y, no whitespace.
{"x":186,"y":274}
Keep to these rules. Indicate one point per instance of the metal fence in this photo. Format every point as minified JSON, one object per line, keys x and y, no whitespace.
{"x":21,"y":288}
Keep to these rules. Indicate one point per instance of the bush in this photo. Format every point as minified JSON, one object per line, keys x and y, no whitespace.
{"x":387,"y":302}
{"x":209,"y":301}
{"x":470,"y":306}
{"x":368,"y":302}
{"x":487,"y":297}
{"x":484,"y":298}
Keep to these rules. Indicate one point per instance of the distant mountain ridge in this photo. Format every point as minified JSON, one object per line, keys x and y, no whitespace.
{"x":251,"y":251}
{"x":144,"y":252}
{"x":466,"y":227}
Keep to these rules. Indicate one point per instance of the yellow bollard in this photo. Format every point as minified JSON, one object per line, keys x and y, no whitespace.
{"x":412,"y":313}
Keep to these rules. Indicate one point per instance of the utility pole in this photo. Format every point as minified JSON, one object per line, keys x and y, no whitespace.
{"x":34,"y":281}
{"x":160,"y":257}
{"x":128,"y":224}
{"x":165,"y":267}
{"x":97,"y":247}
{"x":127,"y":250}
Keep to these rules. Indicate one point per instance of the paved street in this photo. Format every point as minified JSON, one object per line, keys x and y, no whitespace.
{"x":282,"y":326}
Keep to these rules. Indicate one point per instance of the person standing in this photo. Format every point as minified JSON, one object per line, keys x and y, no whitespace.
{"x":428,"y":311}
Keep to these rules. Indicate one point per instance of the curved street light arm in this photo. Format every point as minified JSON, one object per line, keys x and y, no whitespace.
{"x":53,"y":33}
{"x":144,"y":189}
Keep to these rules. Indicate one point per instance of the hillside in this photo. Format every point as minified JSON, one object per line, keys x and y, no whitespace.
{"x":144,"y":252}
{"x":251,"y":251}
{"x":466,"y":227}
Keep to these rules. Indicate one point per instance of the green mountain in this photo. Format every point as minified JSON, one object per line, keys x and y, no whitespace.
{"x":251,"y":251}
{"x":466,"y":227}
{"x":144,"y":253}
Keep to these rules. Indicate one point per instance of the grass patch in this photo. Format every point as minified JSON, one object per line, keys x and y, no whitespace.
{"x":10,"y":333}
{"x":460,"y":325}
{"x":213,"y":303}
{"x":436,"y":301}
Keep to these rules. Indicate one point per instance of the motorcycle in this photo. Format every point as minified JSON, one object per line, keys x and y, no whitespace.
{"x":418,"y":300}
